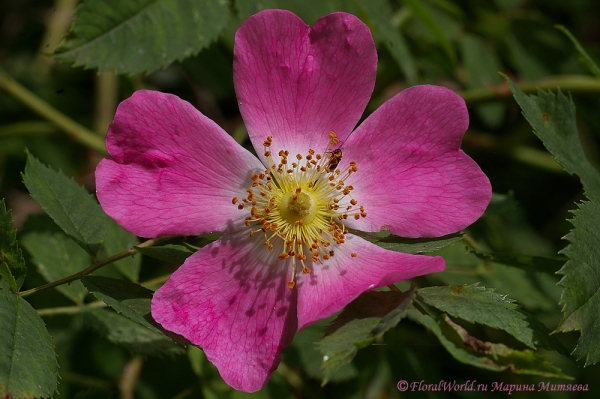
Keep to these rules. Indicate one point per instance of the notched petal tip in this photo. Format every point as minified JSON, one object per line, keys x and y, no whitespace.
{"x":296,"y":83}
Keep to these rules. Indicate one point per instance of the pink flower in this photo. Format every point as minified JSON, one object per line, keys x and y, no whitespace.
{"x":286,"y":258}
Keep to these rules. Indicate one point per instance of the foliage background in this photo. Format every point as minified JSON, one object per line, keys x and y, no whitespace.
{"x":461,"y":44}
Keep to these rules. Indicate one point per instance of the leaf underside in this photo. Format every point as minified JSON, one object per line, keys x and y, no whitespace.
{"x":482,"y":305}
{"x":495,"y":357}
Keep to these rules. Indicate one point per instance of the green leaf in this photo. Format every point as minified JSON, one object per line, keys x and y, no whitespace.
{"x":362,"y":322}
{"x":57,"y":256}
{"x":481,"y":62}
{"x":176,"y":254}
{"x":496,"y":357}
{"x":379,"y":13}
{"x":527,"y":64}
{"x":533,"y":290}
{"x":67,"y":203}
{"x":416,"y":246}
{"x":484,"y":306}
{"x":482,"y":66}
{"x":423,"y":14}
{"x":130,"y":299}
{"x":587,"y":60}
{"x":129,"y":334}
{"x":581,"y":281}
{"x":309,"y":11}
{"x":552,"y":117}
{"x":28,"y":367}
{"x":506,"y":228}
{"x":118,"y":240}
{"x":539,"y":264}
{"x":141,"y":35}
{"x":12,"y":265}
{"x":304,"y":352}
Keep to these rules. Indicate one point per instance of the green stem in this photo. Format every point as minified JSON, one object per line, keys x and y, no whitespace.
{"x":292,"y":376}
{"x":33,"y":128}
{"x":470,"y":241}
{"x":155,"y":281}
{"x":538,"y":158}
{"x":69,"y":309}
{"x":129,"y":377}
{"x":57,"y":27}
{"x":42,"y":108}
{"x":94,"y":267}
{"x":187,"y":392}
{"x":85,"y":381}
{"x":567,"y":83}
{"x":107,"y":96}
{"x":97,"y":304}
{"x":392,"y":287}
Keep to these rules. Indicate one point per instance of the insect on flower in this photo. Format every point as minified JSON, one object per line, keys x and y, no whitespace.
{"x":335,"y":155}
{"x":334,"y":159}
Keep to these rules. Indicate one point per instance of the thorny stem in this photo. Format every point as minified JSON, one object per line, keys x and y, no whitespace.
{"x":567,"y":83}
{"x":42,"y":108}
{"x":33,"y":128}
{"x":96,"y":304}
{"x":130,"y":252}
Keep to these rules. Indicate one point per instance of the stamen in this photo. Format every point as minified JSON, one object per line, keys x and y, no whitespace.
{"x":302,"y":204}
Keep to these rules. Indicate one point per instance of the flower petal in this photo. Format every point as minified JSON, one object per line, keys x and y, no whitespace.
{"x":298,"y":84}
{"x":174,"y":171}
{"x":412,"y":177}
{"x":330,"y":287}
{"x":230,"y":299}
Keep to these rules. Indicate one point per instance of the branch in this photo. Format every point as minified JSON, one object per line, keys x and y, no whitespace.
{"x":574,"y":84}
{"x":130,"y":252}
{"x":42,"y":108}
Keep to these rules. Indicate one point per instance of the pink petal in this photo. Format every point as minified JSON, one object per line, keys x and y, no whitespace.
{"x":298,"y":84}
{"x":412,"y":177}
{"x":231,"y":298}
{"x":331,"y":286}
{"x":174,"y":170}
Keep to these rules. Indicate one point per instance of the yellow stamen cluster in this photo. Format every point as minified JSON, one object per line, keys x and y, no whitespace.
{"x":300,"y":203}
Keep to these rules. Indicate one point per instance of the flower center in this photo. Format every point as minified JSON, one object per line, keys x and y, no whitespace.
{"x":300,"y":206}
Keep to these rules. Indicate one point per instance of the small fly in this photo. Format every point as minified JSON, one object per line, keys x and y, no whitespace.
{"x":334,"y":159}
